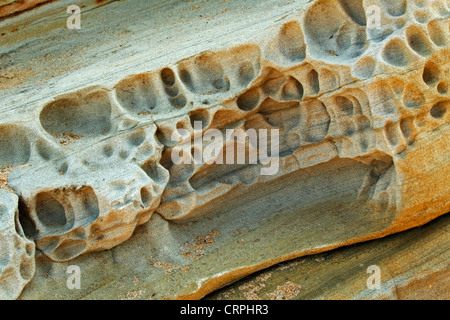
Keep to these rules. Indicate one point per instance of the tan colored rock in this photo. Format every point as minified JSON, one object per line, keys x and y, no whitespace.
{"x":13,"y":7}
{"x":17,"y":263}
{"x":411,"y":266}
{"x":359,"y":116}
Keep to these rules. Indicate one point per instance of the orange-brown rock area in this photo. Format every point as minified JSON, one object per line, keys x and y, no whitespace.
{"x":167,"y":149}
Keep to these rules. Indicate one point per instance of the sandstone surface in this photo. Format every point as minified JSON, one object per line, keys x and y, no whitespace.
{"x":91,"y":119}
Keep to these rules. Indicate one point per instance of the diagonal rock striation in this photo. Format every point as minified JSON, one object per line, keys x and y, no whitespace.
{"x":361,"y":117}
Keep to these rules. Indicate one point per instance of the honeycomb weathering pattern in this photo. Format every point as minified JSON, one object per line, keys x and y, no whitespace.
{"x":100,"y":157}
{"x":17,"y":263}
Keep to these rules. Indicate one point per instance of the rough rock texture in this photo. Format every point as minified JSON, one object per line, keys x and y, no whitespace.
{"x":363,"y":123}
{"x":17,"y":263}
{"x":413,"y":265}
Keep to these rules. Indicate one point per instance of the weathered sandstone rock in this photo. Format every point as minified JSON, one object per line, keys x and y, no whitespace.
{"x":412,"y":265}
{"x":16,"y":251}
{"x":361,"y":116}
